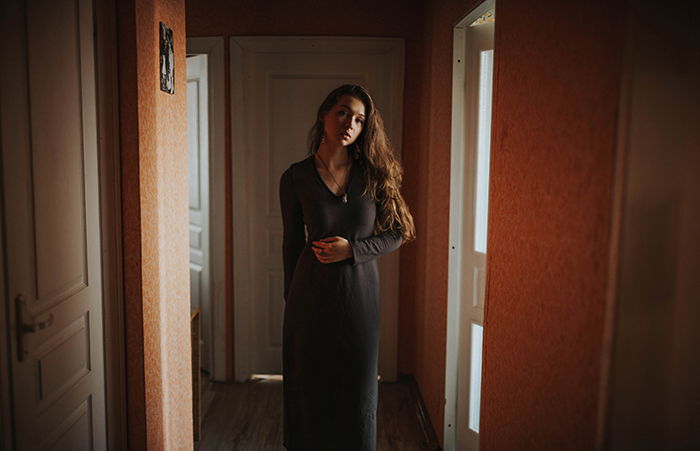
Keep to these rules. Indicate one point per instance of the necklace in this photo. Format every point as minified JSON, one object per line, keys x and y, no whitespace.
{"x":344,"y":196}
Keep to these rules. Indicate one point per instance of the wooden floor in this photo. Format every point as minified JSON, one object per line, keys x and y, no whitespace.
{"x":248,"y":417}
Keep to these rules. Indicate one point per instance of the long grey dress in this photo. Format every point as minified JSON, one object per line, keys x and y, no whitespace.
{"x":331,"y":315}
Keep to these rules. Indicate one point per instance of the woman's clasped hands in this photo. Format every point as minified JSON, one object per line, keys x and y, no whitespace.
{"x":332,"y":249}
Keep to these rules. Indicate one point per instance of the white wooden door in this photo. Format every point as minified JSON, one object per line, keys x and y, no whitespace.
{"x":278,"y":84}
{"x":51,"y":212}
{"x":198,"y":145}
{"x":479,"y":63}
{"x":469,"y":188}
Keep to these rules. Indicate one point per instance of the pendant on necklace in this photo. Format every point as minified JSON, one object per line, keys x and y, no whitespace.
{"x":344,"y":199}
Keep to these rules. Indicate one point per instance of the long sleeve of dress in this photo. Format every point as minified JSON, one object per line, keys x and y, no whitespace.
{"x":366,"y":249}
{"x":293,"y":238}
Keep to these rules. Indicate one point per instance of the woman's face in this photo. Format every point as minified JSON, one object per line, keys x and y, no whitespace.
{"x":344,"y":122}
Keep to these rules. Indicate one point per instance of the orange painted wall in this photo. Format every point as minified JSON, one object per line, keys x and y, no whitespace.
{"x":557,"y":87}
{"x":153,"y":139}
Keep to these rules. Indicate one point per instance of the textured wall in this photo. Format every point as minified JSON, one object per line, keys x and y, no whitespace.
{"x":131,"y":226}
{"x":654,"y":397}
{"x":558,"y":70}
{"x":154,"y":170}
{"x":303,"y":17}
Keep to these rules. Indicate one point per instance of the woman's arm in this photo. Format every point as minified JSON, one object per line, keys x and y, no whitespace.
{"x":293,"y":238}
{"x":336,"y":248}
{"x":366,"y":249}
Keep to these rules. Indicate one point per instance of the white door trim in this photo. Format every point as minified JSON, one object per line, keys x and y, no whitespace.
{"x":213,"y":47}
{"x":455,"y":240}
{"x":240,"y":50}
{"x":460,"y":170}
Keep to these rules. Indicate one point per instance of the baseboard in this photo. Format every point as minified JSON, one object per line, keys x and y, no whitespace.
{"x":426,"y":425}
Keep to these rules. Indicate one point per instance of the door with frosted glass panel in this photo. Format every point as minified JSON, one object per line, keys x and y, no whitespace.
{"x":478,"y":55}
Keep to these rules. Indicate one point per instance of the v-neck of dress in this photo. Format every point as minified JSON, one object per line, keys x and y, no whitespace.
{"x":320,"y":179}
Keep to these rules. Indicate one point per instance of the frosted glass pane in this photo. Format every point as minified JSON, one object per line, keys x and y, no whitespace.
{"x":475,"y":377}
{"x":193,"y":141}
{"x":483,"y":149}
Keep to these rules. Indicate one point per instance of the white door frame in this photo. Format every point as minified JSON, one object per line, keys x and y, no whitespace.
{"x":213,"y":47}
{"x":241,"y":49}
{"x":460,"y":177}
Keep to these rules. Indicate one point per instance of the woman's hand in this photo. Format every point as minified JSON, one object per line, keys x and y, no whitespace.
{"x":332,"y":249}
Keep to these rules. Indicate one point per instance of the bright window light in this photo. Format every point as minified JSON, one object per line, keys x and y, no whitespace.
{"x":483,"y":150}
{"x":475,"y":377}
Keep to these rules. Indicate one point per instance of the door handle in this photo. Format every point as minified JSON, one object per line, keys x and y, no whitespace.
{"x":37,"y":326}
{"x":24,"y":327}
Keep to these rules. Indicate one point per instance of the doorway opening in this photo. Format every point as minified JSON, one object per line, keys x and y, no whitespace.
{"x":207,"y":188}
{"x":472,"y":79}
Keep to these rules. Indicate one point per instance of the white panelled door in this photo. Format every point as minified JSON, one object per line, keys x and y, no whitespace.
{"x":278,"y":84}
{"x":477,"y":148}
{"x":52,"y":237}
{"x":472,"y":81}
{"x":198,"y":145}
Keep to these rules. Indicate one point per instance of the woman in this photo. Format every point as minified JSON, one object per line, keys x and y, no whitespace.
{"x":346,"y":194}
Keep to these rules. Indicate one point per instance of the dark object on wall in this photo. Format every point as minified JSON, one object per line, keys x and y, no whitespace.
{"x":167,"y":60}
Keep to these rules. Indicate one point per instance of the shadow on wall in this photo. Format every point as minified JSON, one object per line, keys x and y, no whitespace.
{"x":654,"y":396}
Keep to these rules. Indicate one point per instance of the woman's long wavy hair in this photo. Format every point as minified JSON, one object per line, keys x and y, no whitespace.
{"x":372,"y":150}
